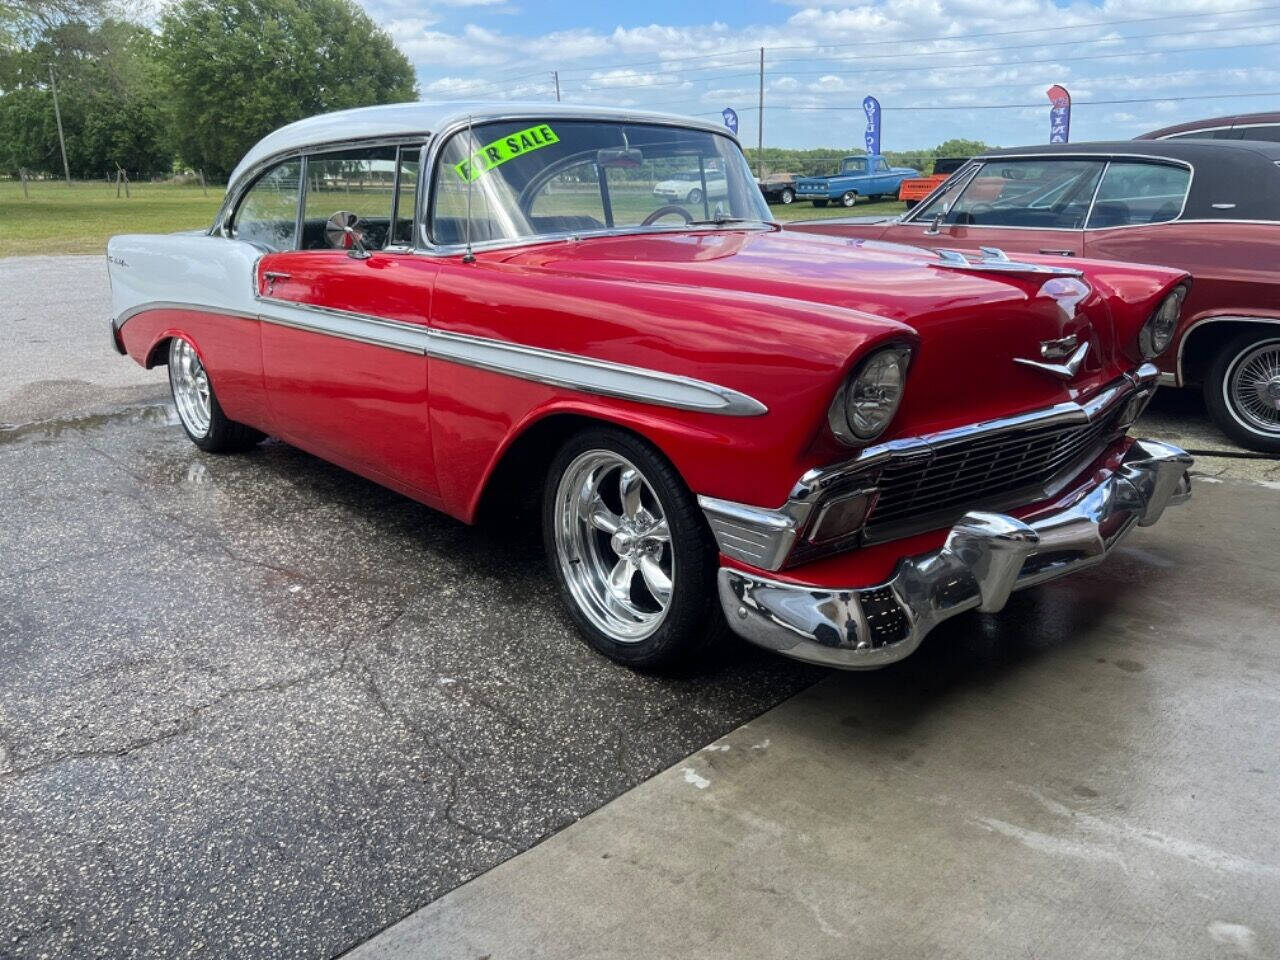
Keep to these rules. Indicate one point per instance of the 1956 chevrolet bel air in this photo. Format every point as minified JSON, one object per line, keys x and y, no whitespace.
{"x":832,"y":445}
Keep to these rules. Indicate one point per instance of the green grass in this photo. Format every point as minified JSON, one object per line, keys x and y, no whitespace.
{"x":79,"y":218}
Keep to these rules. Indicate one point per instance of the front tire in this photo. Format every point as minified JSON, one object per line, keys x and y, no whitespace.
{"x":634,"y":562}
{"x":695,"y":196}
{"x":198,"y":408}
{"x":1242,"y":391}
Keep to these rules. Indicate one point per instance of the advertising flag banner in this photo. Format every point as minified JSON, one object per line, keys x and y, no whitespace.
{"x":731,"y":119}
{"x":1059,"y":114}
{"x":871,"y":106}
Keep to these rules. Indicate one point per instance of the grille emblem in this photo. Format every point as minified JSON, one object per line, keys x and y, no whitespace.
{"x":1064,"y":350}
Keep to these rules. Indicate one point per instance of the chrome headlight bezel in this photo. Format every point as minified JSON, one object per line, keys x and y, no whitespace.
{"x":853,"y":414}
{"x":1158,"y":332}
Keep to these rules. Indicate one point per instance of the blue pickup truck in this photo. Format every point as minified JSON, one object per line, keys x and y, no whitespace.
{"x":867,"y":176}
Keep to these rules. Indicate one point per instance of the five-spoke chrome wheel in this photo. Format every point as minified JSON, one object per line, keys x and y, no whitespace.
{"x":613,"y":545}
{"x":190,"y":385}
{"x":1252,"y":387}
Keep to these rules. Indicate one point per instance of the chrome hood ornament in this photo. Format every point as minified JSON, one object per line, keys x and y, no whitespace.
{"x":1062,"y":358}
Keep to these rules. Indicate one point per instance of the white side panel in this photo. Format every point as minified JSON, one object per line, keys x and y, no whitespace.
{"x":180,"y":269}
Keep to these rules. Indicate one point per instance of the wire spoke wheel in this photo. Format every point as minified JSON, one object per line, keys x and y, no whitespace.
{"x":613,"y":545}
{"x":190,"y":384}
{"x":1252,"y":387}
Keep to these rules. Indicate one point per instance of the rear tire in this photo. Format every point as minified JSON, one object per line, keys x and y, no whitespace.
{"x":633,"y":559}
{"x":198,"y":409}
{"x":848,"y":198}
{"x":1242,"y":391}
{"x":787,"y":196}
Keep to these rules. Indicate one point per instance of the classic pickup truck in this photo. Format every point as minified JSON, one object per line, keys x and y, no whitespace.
{"x":866,"y":176}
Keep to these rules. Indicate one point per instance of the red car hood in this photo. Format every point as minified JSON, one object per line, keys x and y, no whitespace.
{"x":972,"y":325}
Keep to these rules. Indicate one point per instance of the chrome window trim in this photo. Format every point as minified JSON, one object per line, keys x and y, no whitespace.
{"x":1205,"y":321}
{"x":226,"y":213}
{"x":536,"y":364}
{"x":1106,"y":159}
{"x":426,"y":245}
{"x":1191,"y":134}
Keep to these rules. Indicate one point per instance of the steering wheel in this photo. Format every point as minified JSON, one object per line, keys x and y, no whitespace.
{"x":663,"y":211}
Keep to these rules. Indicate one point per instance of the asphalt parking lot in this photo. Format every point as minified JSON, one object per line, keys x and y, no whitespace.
{"x":258,"y":707}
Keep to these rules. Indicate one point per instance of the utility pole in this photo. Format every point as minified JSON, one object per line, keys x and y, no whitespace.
{"x":58,"y":116}
{"x":760,"y":125}
{"x":556,"y":74}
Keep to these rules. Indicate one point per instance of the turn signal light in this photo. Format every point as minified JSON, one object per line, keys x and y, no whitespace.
{"x":843,"y":515}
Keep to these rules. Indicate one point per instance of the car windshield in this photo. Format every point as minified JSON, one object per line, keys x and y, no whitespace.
{"x":523,"y":178}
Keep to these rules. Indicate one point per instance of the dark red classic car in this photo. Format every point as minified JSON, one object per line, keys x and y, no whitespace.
{"x":1211,"y":208}
{"x":833,"y":446}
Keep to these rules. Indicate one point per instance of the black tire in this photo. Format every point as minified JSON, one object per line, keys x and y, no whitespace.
{"x":1225,"y":409}
{"x":910,"y":203}
{"x":693,"y":621}
{"x":695,"y":196}
{"x":820,"y":203}
{"x":223,"y":435}
{"x":787,"y":195}
{"x":848,"y":198}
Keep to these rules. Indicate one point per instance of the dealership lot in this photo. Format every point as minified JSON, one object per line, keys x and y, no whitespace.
{"x":260,"y":703}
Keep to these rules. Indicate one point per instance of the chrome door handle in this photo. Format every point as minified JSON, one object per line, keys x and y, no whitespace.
{"x":271,"y":276}
{"x":1059,"y":253}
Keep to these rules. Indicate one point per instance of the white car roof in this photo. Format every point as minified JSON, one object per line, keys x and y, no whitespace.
{"x":424,"y":118}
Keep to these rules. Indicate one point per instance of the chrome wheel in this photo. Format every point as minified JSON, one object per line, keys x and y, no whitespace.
{"x":613,"y":545}
{"x":190,"y":386}
{"x":1252,"y":387}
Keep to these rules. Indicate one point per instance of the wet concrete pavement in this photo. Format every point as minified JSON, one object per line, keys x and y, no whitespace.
{"x":1092,"y":773}
{"x":255,"y":706}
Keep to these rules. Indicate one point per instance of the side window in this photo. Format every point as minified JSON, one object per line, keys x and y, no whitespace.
{"x":406,"y":195}
{"x":569,"y":200}
{"x":1137,"y":193}
{"x":268,"y":213}
{"x":355,"y":181}
{"x":1046,"y":194}
{"x":882,"y":165}
{"x":1268,"y":132}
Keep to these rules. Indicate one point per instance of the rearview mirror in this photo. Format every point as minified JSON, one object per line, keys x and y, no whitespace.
{"x":343,"y":232}
{"x":624,"y":157}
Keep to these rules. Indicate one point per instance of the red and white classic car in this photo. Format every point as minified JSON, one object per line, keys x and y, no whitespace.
{"x":831,"y":445}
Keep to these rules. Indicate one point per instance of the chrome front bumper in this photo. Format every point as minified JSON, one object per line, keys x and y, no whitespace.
{"x":985,"y":558}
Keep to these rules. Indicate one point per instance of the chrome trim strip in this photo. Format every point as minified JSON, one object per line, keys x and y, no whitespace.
{"x":985,"y":558}
{"x":150,"y":305}
{"x":592,"y":376}
{"x":1066,"y":370}
{"x":1205,"y":321}
{"x":552,"y":367}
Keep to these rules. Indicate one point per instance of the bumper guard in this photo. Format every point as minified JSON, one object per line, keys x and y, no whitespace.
{"x":985,"y":558}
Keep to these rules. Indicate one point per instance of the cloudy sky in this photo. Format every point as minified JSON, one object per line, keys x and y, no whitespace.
{"x":913,"y":55}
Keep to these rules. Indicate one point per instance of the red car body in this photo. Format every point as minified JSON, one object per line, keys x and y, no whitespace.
{"x":436,"y":374}
{"x":1226,"y":235}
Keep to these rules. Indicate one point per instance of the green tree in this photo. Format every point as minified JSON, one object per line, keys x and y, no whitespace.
{"x":239,"y":69}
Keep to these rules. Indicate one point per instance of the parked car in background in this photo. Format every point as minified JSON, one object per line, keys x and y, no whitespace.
{"x":831,"y":447}
{"x":690,"y":186}
{"x":1211,"y":208}
{"x":1240,"y":126}
{"x":915,"y":189}
{"x":778,"y":188}
{"x":865,"y":176}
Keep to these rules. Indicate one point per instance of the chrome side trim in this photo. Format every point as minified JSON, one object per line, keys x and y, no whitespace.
{"x":1231,"y":318}
{"x":593,"y":376}
{"x":762,"y":538}
{"x":127,"y":315}
{"x":995,"y":260}
{"x":986,"y":556}
{"x":551,"y":367}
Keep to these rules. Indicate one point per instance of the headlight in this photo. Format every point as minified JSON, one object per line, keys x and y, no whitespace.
{"x":868,"y":401}
{"x":1157,"y":333}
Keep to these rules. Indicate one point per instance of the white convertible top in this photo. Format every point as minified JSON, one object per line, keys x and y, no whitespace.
{"x":424,"y":118}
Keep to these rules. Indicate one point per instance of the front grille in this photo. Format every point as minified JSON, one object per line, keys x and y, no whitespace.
{"x":935,"y":489}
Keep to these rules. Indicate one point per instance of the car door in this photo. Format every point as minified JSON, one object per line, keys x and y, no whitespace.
{"x":1021,"y":205}
{"x":344,"y":332}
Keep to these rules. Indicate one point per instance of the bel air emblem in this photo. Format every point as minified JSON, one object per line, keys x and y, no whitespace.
{"x":1068,"y":353}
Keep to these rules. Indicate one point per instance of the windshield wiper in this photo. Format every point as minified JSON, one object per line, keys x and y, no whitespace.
{"x":722,"y":221}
